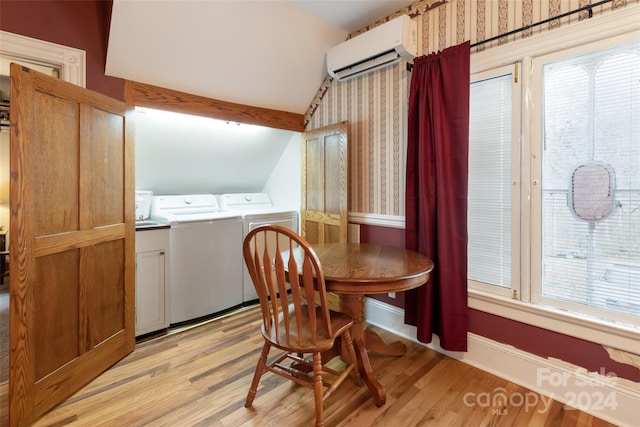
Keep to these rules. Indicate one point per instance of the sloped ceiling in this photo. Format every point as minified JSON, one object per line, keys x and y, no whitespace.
{"x":185,"y":154}
{"x":268,"y":54}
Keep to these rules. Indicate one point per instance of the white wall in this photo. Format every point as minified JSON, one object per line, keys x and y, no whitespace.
{"x":182,"y":154}
{"x":284,"y":185}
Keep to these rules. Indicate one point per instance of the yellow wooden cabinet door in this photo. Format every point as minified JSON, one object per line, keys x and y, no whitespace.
{"x":72,"y":283}
{"x":325,"y":177}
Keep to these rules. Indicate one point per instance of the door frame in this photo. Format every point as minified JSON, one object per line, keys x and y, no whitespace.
{"x":70,"y":62}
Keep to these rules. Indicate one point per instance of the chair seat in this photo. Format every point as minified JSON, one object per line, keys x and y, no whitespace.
{"x":339,"y":322}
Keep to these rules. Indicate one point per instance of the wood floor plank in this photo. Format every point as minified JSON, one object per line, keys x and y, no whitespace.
{"x":200,"y":376}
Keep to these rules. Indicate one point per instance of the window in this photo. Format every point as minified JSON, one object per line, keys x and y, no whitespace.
{"x":568,"y":238}
{"x":493,"y":171}
{"x":590,"y":151}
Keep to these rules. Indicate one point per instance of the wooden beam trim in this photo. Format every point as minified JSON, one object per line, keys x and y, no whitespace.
{"x":146,"y":95}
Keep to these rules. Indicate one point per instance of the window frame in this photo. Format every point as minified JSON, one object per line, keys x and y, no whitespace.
{"x":598,"y":31}
{"x":513,"y":70}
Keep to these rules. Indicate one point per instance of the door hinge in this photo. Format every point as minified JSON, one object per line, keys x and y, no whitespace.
{"x":516,"y":72}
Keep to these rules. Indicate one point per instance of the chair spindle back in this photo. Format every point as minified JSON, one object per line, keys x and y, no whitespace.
{"x":286,"y":271}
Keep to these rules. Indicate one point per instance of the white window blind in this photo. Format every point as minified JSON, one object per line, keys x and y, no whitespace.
{"x":490,"y":183}
{"x":591,"y":181}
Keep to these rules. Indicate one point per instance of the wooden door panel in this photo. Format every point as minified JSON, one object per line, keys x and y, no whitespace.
{"x":54,"y":166}
{"x":103,"y":154}
{"x":45,"y":394}
{"x":325,"y":174}
{"x":334,"y":175}
{"x":72,"y":217}
{"x":311,"y":233}
{"x":314,"y":179}
{"x":324,"y":188}
{"x":106,"y":292}
{"x":55,"y":296}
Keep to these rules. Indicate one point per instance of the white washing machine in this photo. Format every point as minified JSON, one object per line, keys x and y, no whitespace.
{"x":206,"y":255}
{"x":256,"y":210}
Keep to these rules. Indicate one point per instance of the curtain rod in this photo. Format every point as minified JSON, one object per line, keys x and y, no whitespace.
{"x":588,"y":7}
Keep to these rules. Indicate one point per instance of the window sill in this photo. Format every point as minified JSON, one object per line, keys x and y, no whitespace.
{"x":610,"y":334}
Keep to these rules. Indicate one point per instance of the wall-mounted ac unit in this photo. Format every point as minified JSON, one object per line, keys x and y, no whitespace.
{"x":379,"y":47}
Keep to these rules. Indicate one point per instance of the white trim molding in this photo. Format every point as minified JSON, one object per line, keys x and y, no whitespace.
{"x":70,"y":62}
{"x":600,"y":394}
{"x":616,"y":335}
{"x":391,"y":221}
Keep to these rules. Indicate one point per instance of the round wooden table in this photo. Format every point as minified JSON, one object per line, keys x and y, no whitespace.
{"x":353,"y":270}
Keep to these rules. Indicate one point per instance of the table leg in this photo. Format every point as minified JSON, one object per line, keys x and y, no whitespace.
{"x":353,"y":305}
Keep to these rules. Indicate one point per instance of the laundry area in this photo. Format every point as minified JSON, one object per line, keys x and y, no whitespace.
{"x":201,"y":185}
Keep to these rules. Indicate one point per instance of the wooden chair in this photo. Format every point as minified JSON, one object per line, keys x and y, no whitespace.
{"x":289,"y":323}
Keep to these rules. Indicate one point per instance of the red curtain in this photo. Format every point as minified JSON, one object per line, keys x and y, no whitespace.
{"x":436,"y":199}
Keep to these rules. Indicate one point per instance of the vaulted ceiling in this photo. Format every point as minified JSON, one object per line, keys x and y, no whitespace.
{"x":268,"y":54}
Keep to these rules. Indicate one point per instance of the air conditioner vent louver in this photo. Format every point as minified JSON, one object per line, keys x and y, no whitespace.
{"x":379,"y":47}
{"x":367,"y":65}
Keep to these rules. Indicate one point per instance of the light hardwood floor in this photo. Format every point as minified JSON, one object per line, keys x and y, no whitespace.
{"x":200,"y":377}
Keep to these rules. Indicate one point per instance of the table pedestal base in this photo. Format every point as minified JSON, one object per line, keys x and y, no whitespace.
{"x":375,"y":344}
{"x":365,"y":339}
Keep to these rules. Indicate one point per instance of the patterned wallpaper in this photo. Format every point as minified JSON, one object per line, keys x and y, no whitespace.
{"x":375,"y":104}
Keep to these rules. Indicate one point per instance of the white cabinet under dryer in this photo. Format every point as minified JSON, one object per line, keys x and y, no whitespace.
{"x":152,"y":268}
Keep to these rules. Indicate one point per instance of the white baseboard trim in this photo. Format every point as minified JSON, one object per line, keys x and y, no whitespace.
{"x":600,"y":394}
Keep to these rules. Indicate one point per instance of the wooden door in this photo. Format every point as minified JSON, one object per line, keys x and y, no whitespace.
{"x":325,"y":178}
{"x":72,"y":284}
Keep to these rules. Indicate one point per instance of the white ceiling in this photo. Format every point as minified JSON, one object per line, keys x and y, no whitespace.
{"x":268,"y":53}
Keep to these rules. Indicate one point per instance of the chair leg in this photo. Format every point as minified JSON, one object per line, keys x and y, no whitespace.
{"x":354,"y":359}
{"x":318,"y":389}
{"x":262,"y":362}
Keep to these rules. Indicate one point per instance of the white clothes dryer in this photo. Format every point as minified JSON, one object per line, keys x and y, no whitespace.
{"x":256,"y":210}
